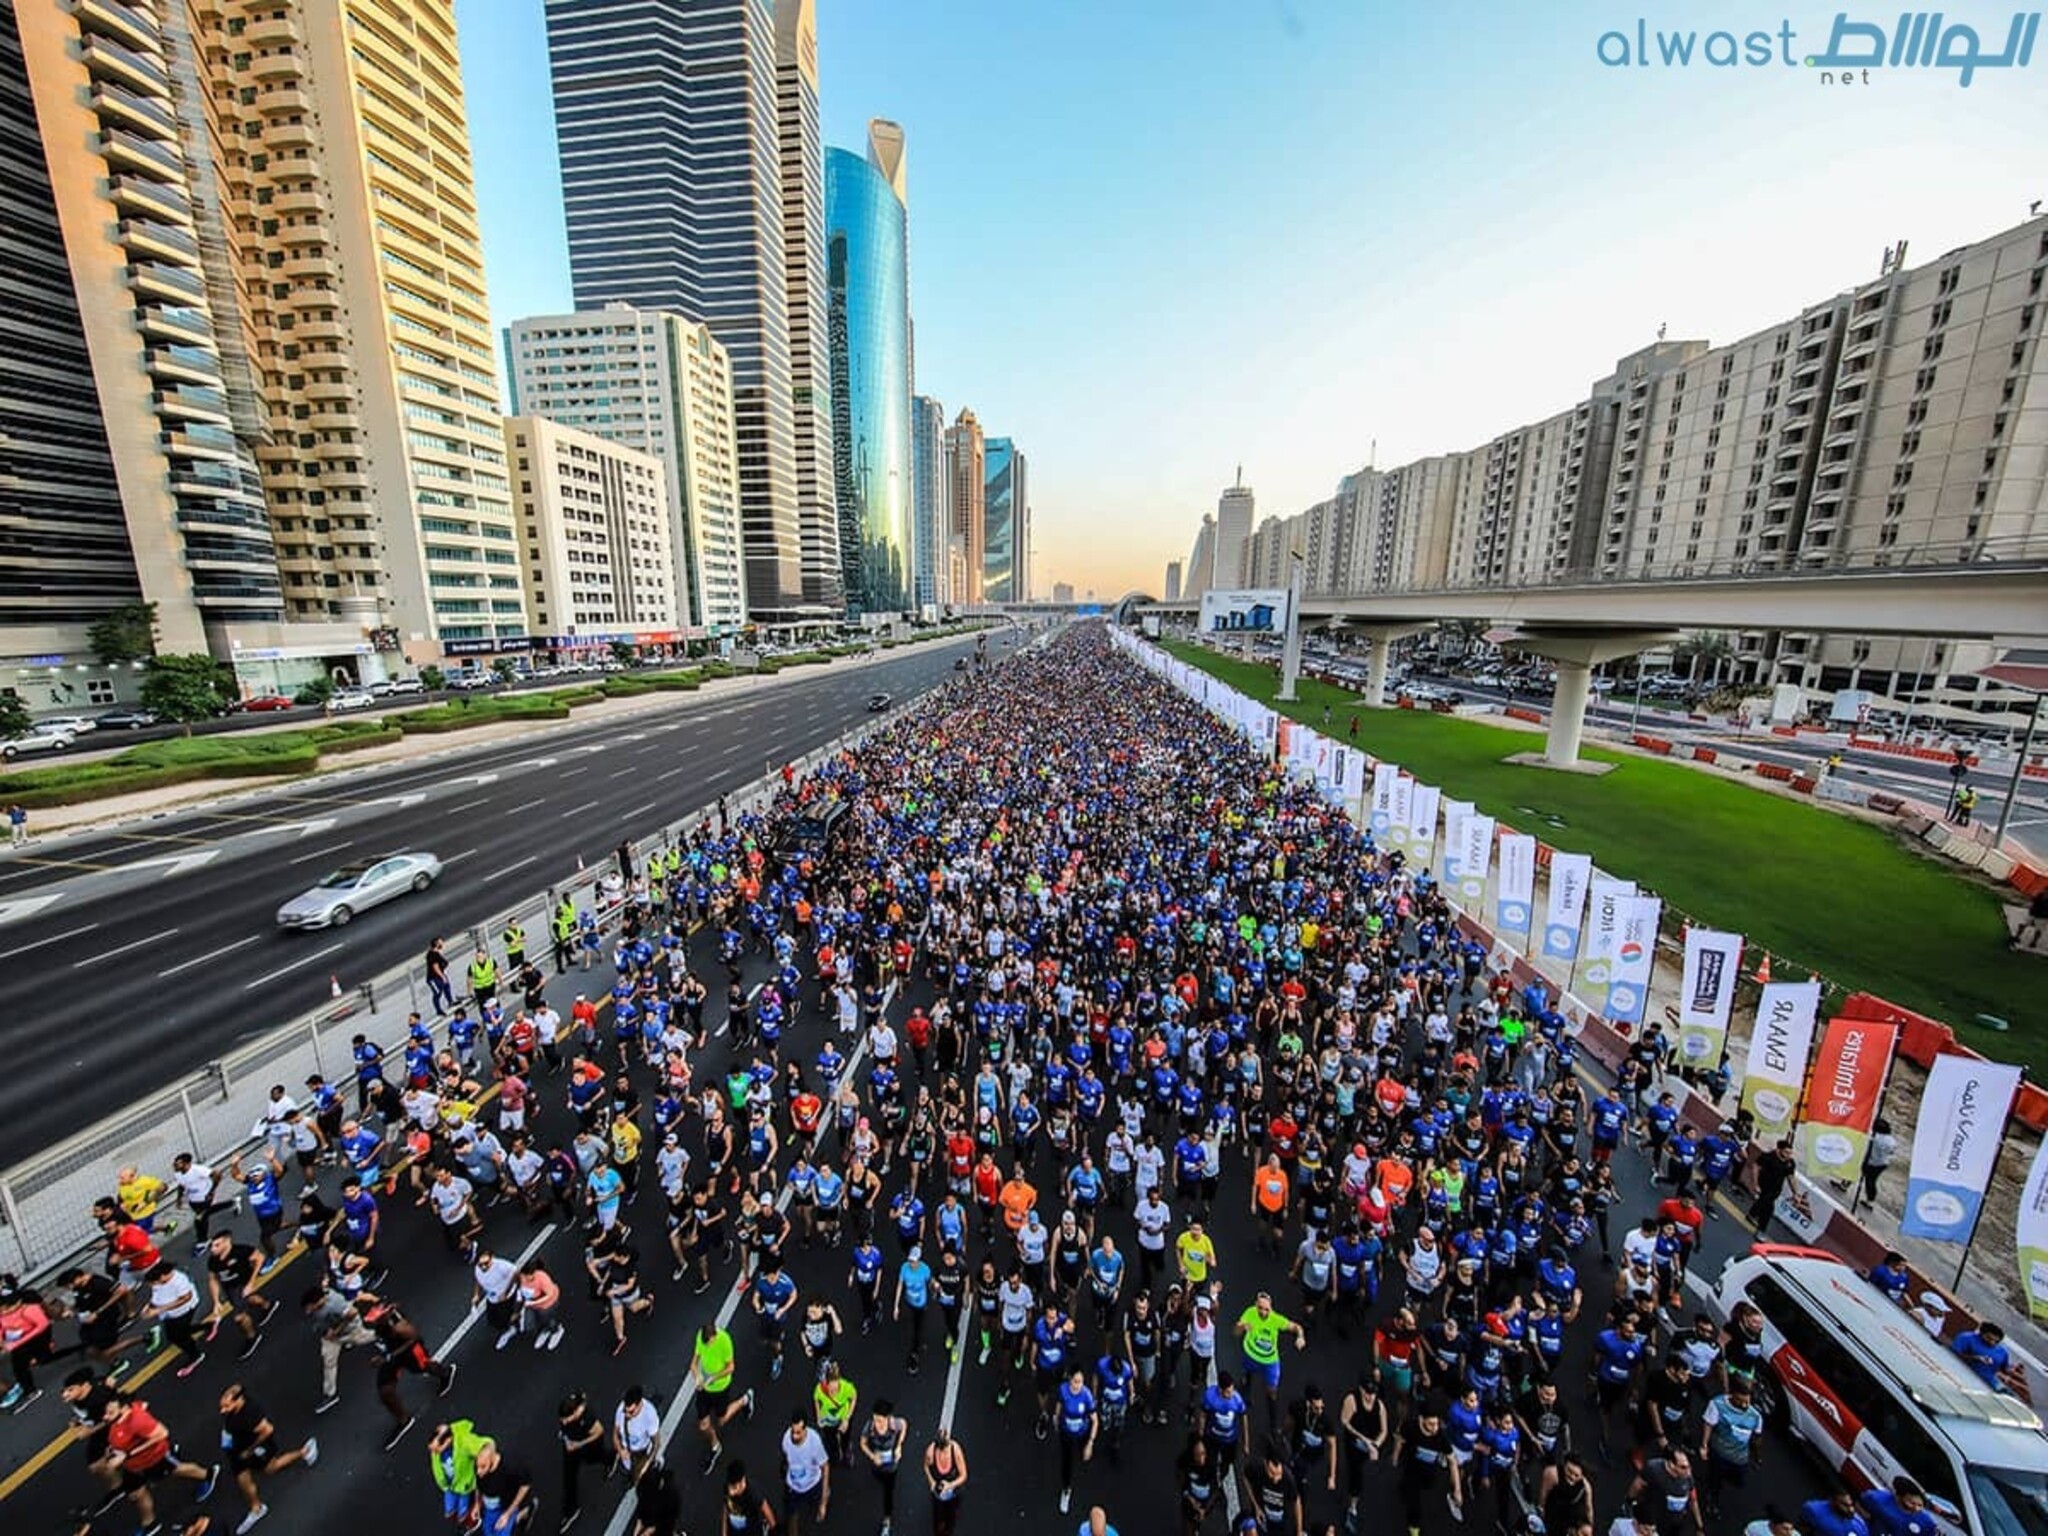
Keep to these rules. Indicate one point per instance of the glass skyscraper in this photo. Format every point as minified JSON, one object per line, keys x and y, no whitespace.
{"x":1006,"y":540}
{"x":867,"y":263}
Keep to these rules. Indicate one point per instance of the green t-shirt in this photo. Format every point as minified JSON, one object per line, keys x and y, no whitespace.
{"x":714,"y":1359}
{"x":1262,"y":1335}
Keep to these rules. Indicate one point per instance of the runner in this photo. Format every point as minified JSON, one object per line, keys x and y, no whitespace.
{"x":249,"y":1441}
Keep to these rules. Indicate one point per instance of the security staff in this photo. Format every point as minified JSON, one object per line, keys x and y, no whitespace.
{"x":564,"y":925}
{"x":515,"y":945}
{"x":483,"y":978}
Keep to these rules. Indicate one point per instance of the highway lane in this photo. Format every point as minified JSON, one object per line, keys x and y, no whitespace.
{"x":512,"y":1395}
{"x":127,"y":982}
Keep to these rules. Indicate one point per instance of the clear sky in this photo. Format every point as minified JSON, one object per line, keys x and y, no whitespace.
{"x":1152,"y":239}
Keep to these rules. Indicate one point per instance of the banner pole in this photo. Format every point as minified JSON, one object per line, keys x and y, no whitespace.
{"x":1977,"y":1221}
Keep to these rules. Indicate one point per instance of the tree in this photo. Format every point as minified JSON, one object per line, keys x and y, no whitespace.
{"x":505,"y":667}
{"x":186,"y":688}
{"x":622,"y":652}
{"x":1709,"y":646}
{"x":14,"y":716}
{"x":128,"y":633}
{"x":315,"y":690}
{"x":432,"y":678}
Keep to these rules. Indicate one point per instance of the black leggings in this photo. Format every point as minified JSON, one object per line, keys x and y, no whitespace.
{"x":24,"y":1358}
{"x":885,"y":1479}
{"x":573,"y":1463}
{"x":1071,"y":1447}
{"x":183,"y":1332}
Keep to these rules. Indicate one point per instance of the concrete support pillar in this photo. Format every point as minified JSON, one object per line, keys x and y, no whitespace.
{"x":1576,"y":653}
{"x":1381,"y":661}
{"x":1290,"y":646}
{"x":1568,"y":712}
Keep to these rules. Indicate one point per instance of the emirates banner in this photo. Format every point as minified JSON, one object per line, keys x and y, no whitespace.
{"x":1423,"y":804}
{"x":1706,"y":995}
{"x":1635,"y":956}
{"x":1515,"y":900}
{"x":1780,"y":1042}
{"x":2030,"y":1228}
{"x":1401,"y":834}
{"x":1384,"y":777}
{"x":1842,"y":1097}
{"x":1565,"y":916}
{"x":1455,"y":812}
{"x":1475,"y":860}
{"x":1956,"y":1134}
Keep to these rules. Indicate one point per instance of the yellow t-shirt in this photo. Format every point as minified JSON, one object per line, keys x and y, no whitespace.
{"x":1196,"y":1255}
{"x":139,"y":1195}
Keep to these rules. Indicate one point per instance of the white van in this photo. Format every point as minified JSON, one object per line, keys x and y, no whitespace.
{"x":1878,"y":1398}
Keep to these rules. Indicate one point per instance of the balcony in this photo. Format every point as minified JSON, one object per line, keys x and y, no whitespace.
{"x":201,"y":441}
{"x":283,"y":101}
{"x":329,"y":389}
{"x":205,"y":405}
{"x":307,"y":200}
{"x":322,"y":267}
{"x":128,"y":151}
{"x":118,"y":105}
{"x":274,"y":31}
{"x":287,"y":134}
{"x":185,"y":365}
{"x":146,"y":238}
{"x":124,"y":24}
{"x":205,"y":478}
{"x":152,"y":199}
{"x":176,"y":323}
{"x":280,"y":64}
{"x":108,"y":60}
{"x":321,"y":330}
{"x":154,"y":280}
{"x":344,"y":479}
{"x":1862,"y":342}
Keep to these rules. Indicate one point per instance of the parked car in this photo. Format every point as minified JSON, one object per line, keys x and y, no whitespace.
{"x":261,"y":704}
{"x":76,"y":725}
{"x":877,"y":702}
{"x":397,"y":687}
{"x":350,"y":698}
{"x":464,"y":682}
{"x":355,"y":888}
{"x":127,"y":720}
{"x":43,"y":736}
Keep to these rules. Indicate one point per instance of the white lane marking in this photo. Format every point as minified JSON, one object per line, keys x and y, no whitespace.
{"x":482,"y":778}
{"x":452,"y":858}
{"x":532,"y":858}
{"x":470,"y":805}
{"x":953,"y":1375}
{"x":22,"y":949}
{"x":529,"y":805}
{"x":570,"y":773}
{"x":642,"y":810}
{"x":321,"y":853}
{"x":27,"y":906}
{"x":622,"y":773}
{"x":401,"y":801}
{"x":308,"y":828}
{"x":661,"y":777}
{"x":588,"y":805}
{"x":469,"y":1318}
{"x":178,"y":863}
{"x":211,"y":954}
{"x":168,"y":933}
{"x":286,"y":970}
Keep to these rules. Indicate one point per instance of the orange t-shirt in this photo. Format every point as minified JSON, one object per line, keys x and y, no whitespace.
{"x":1270,"y":1185}
{"x":1016,"y":1199}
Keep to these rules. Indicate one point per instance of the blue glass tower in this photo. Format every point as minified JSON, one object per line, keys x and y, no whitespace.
{"x":867,"y":262}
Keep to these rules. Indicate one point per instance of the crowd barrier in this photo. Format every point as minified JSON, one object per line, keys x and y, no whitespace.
{"x":216,"y":1112}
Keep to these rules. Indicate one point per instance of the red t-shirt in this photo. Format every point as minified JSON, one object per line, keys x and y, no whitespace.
{"x":128,"y":1433}
{"x":134,"y":1250}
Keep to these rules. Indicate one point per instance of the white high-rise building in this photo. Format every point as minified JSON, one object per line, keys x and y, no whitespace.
{"x":1235,"y":509}
{"x":658,"y":382}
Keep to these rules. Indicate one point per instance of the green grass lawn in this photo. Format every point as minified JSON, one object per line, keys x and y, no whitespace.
{"x":1820,"y":891}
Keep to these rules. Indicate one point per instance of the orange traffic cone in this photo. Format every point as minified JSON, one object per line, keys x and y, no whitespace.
{"x":1763,"y":970}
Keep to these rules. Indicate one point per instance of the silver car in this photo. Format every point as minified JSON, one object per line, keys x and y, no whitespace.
{"x":357,"y":887}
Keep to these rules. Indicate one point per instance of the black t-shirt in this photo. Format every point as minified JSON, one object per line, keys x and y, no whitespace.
{"x":502,"y":1482}
{"x":235,"y":1268}
{"x":1424,"y":1458}
{"x":1273,"y":1494}
{"x":576,"y":1429}
{"x":240,"y":1430}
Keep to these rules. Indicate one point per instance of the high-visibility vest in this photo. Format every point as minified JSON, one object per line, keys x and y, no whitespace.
{"x":515,"y":939}
{"x":565,"y":921}
{"x":483,"y":972}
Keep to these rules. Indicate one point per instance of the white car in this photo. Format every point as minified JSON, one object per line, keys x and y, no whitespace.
{"x":350,"y":698}
{"x":73,"y":725}
{"x":353,"y":888}
{"x":43,"y":736}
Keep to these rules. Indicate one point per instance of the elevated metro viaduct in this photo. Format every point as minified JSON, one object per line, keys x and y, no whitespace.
{"x":1580,"y":625}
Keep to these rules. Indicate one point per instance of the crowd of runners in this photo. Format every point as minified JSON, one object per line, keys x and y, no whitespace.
{"x":1072,"y":983}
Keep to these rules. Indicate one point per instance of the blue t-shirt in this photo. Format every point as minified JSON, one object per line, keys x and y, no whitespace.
{"x":1821,"y":1518}
{"x":916,"y":1276}
{"x":1888,"y":1517}
{"x":1983,"y":1357}
{"x":774,"y":1292}
{"x":1222,"y":1415}
{"x":867,"y":1263}
{"x":1616,"y":1356}
{"x":1077,"y":1407}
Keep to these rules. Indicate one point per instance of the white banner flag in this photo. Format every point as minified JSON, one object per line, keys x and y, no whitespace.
{"x":1399,"y":835}
{"x":1705,"y":995}
{"x":1956,"y":1135}
{"x":1475,"y":859}
{"x":1515,"y":903}
{"x":1423,"y":803}
{"x":1570,"y":875}
{"x":1455,"y":812}
{"x":1603,"y":938}
{"x":1384,"y":777}
{"x":1780,"y":1044}
{"x":1635,"y":956}
{"x":2030,"y":1228}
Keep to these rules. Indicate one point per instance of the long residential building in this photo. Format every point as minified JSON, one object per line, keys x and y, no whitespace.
{"x":594,"y":519}
{"x":966,"y":464}
{"x":932,"y":502}
{"x":661,"y":383}
{"x":1905,"y":419}
{"x":687,"y":131}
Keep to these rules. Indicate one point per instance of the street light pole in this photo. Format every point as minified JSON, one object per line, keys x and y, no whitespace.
{"x":2019,"y":769}
{"x":1290,"y":649}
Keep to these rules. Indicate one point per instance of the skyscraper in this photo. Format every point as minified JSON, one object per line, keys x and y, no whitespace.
{"x":931,"y":502}
{"x":867,"y":265}
{"x":967,"y":486}
{"x":1172,"y":594}
{"x":668,"y":121}
{"x":1007,"y":524}
{"x":1234,"y":511}
{"x":661,"y":383}
{"x":800,"y":155}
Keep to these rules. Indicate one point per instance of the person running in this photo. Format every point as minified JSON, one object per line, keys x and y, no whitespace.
{"x":249,"y":1441}
{"x":712,"y":1367}
{"x":582,"y":1438}
{"x":945,"y":1478}
{"x":140,"y":1453}
{"x":1260,"y":1330}
{"x":402,"y":1352}
{"x":636,"y":1434}
{"x":882,"y":1442}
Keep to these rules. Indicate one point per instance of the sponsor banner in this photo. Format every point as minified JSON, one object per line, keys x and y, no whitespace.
{"x":1260,"y":610}
{"x":1960,"y":1123}
{"x":1565,"y":914}
{"x":1842,"y":1097}
{"x":1603,"y":938}
{"x":1400,"y":834}
{"x":1515,"y":902}
{"x":2030,"y":1228}
{"x":1475,"y":859}
{"x":1635,"y":956}
{"x":1779,"y":1043}
{"x":1707,"y":993}
{"x":1354,"y":779}
{"x":1384,"y":777}
{"x":1424,"y":801}
{"x":1455,"y":812}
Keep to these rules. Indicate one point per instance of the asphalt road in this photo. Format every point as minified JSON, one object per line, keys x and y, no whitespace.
{"x":131,"y":957}
{"x":1013,"y":1485}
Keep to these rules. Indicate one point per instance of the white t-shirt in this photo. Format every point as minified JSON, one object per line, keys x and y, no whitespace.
{"x":1150,"y":1163}
{"x":496,"y":1278}
{"x":175,"y":1295}
{"x":449,"y":1199}
{"x":639,"y":1428}
{"x":195,"y":1183}
{"x":1153,"y":1218}
{"x":803,"y":1462}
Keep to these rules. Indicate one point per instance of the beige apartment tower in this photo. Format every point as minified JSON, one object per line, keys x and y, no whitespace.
{"x":354,"y":231}
{"x":594,"y":525}
{"x":967,"y":479}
